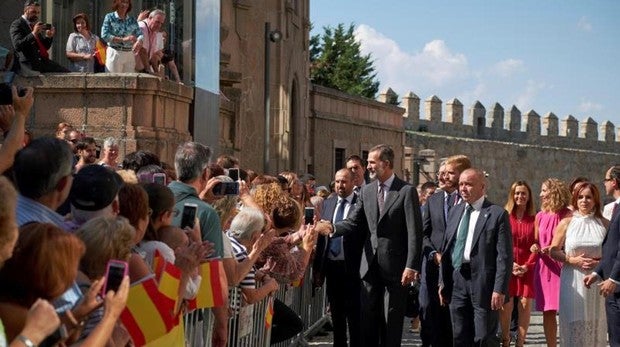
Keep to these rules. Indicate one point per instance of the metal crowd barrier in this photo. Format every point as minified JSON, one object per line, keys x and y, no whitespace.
{"x":247,"y":327}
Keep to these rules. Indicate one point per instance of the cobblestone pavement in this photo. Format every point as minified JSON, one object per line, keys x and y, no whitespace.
{"x":535,"y":335}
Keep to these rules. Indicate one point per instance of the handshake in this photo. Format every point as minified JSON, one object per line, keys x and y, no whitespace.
{"x":324,"y":227}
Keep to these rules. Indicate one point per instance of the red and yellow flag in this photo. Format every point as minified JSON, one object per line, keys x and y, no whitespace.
{"x":145,"y":316}
{"x":100,"y":52}
{"x":269,"y":313}
{"x":213,"y":290}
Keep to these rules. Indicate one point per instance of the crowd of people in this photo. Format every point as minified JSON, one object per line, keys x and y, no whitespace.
{"x":126,"y":43}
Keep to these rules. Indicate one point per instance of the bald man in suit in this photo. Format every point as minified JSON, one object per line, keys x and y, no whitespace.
{"x":476,"y":263}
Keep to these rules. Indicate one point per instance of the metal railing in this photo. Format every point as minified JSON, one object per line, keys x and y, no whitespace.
{"x":247,"y":326}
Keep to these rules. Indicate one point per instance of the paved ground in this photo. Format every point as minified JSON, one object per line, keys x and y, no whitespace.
{"x":535,"y":335}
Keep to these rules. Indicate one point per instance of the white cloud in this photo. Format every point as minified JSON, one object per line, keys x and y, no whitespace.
{"x":436,"y":65}
{"x":526,"y":98}
{"x":589,"y":107}
{"x":584,"y":24}
{"x":508,"y":67}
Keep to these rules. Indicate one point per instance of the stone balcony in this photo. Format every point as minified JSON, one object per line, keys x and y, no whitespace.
{"x":141,"y":111}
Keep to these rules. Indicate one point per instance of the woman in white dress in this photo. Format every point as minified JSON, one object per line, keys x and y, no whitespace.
{"x":578,"y":243}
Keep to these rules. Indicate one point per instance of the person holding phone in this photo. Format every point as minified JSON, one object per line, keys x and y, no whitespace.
{"x":32,"y":38}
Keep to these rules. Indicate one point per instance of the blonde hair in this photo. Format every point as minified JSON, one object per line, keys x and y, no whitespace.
{"x":530,"y":210}
{"x":105,"y":238}
{"x":266,"y":195}
{"x":559,"y":195}
{"x":460,"y":161}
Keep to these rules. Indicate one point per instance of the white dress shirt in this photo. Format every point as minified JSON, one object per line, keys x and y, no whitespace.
{"x":473,"y":218}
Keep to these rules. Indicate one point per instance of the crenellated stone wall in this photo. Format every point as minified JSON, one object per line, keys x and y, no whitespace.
{"x":141,"y":111}
{"x":507,"y":144}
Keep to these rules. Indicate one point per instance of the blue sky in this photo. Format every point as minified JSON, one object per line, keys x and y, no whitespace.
{"x":548,"y":56}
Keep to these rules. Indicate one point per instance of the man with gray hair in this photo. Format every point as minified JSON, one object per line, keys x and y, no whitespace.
{"x":153,"y":41}
{"x":191,"y":163}
{"x":109,"y":153}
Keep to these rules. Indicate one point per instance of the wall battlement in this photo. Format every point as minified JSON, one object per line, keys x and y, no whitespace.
{"x":498,"y":124}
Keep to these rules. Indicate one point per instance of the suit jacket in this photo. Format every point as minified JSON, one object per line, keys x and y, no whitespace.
{"x":25,"y":44}
{"x":609,"y":266}
{"x":433,"y":224}
{"x":351,"y":244}
{"x":491,"y":253}
{"x":393,"y":239}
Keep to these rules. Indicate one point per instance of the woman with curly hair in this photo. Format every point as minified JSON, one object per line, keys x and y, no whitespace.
{"x":555,"y":198}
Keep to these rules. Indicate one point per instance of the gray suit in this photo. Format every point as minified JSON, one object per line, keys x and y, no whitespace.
{"x":470,"y":288}
{"x":392,"y":242}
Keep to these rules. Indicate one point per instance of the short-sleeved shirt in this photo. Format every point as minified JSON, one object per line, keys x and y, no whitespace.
{"x":77,"y":43}
{"x":249,"y":281}
{"x":210,"y":227}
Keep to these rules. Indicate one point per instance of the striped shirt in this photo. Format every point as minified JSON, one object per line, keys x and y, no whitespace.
{"x":248,"y":281}
{"x":29,"y":210}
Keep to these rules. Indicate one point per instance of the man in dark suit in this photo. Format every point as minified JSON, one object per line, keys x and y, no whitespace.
{"x":31,"y":40}
{"x":608,"y":268}
{"x":338,"y":261}
{"x":476,"y":263}
{"x":387,"y":216}
{"x":436,"y":329}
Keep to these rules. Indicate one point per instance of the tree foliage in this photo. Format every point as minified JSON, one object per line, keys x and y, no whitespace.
{"x":337,"y":62}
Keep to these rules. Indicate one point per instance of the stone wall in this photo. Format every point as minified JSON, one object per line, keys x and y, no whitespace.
{"x":142,"y":111}
{"x":510,"y":146}
{"x":353,"y":123}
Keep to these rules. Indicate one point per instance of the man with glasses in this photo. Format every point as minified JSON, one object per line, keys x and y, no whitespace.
{"x":32,"y":38}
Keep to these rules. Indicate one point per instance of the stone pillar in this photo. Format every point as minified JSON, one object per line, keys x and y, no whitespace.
{"x":432,"y":109}
{"x":514,"y":119}
{"x":389,"y":97}
{"x":411,"y":102}
{"x":496,"y":117}
{"x":476,"y":117}
{"x":589,"y":129}
{"x":551,"y":125}
{"x":571,"y":127}
{"x":454,"y":112}
{"x":532,"y":124}
{"x":608,"y":129}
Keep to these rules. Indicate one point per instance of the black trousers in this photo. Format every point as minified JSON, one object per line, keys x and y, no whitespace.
{"x":435,"y":323}
{"x":343,"y":294}
{"x":285,"y":324}
{"x":472,"y":325}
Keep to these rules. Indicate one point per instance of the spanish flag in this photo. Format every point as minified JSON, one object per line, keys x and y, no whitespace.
{"x":145,"y":316}
{"x":100,"y":51}
{"x":269,"y":313}
{"x":213,"y":290}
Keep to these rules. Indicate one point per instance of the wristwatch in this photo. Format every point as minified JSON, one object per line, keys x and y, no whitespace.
{"x":26,"y":341}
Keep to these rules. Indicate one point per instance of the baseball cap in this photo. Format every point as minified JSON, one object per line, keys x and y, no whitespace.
{"x":94,"y":187}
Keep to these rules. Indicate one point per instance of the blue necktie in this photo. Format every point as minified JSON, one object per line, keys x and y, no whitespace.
{"x":334,"y":243}
{"x":461,"y":237}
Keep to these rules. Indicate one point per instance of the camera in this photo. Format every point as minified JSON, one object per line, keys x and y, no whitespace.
{"x":46,"y":26}
{"x":6,"y":94}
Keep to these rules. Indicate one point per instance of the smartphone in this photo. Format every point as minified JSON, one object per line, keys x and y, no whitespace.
{"x":47,"y":26}
{"x":226,"y":188}
{"x":309,"y":215}
{"x":159,"y":178}
{"x":233,"y":173}
{"x":114,"y":274}
{"x":188,"y":218}
{"x":6,"y":93}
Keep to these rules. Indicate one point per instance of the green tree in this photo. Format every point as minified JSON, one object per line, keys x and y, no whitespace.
{"x":337,"y":62}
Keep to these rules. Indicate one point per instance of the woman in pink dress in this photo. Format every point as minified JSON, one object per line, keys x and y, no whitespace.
{"x":520,"y":206}
{"x":554,"y":199}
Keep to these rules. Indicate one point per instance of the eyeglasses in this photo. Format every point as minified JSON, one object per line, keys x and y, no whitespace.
{"x":73,"y":140}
